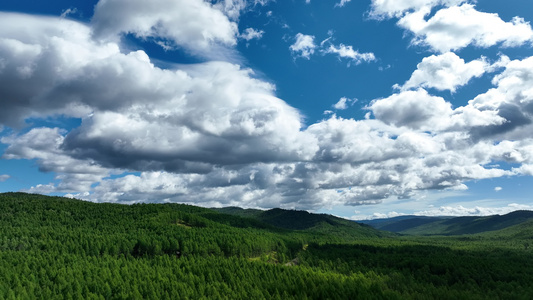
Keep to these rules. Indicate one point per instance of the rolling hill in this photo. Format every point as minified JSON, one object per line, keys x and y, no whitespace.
{"x":305,"y":221}
{"x":416,"y":225}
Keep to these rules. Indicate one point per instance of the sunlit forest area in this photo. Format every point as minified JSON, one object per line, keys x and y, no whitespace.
{"x":59,"y":248}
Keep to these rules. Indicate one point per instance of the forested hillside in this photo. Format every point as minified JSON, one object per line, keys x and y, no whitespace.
{"x":416,"y":225}
{"x":57,"y":248}
{"x":303,"y":220}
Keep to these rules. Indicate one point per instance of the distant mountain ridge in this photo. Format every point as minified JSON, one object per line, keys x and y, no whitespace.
{"x":421,"y":225}
{"x":303,"y":220}
{"x":401,"y":223}
{"x":288,"y":219}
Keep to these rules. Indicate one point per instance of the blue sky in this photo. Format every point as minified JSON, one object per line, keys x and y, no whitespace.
{"x":360,"y":109}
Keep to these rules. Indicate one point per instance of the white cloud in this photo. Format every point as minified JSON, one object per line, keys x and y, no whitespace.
{"x":456,"y":27}
{"x":201,"y":110}
{"x":368,"y":168}
{"x":43,"y":145}
{"x":418,"y":110}
{"x":304,"y":46}
{"x":445,"y":72}
{"x":214,"y":134}
{"x":4,"y":177}
{"x":377,"y":215}
{"x":356,"y":163}
{"x":251,"y":33}
{"x":326,"y":39}
{"x":234,"y":8}
{"x":194,"y":25}
{"x":218,"y":107}
{"x":258,"y":2}
{"x":525,"y":169}
{"x":511,"y":99}
{"x":459,"y":210}
{"x":69,"y":11}
{"x":413,"y":109}
{"x":498,"y":188}
{"x":346,"y":141}
{"x":396,"y":8}
{"x":44,"y":53}
{"x":344,"y":51}
{"x":342,"y":3}
{"x":114,"y":87}
{"x":42,"y":189}
{"x":343,"y":103}
{"x":451,"y":211}
{"x":231,"y":8}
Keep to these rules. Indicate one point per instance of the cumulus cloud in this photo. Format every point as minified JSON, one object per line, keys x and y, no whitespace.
{"x":343,"y":103}
{"x":199,"y":111}
{"x":195,"y":25}
{"x":445,"y":72}
{"x":232,"y":8}
{"x":38,"y":57}
{"x":43,"y":145}
{"x":304,"y":46}
{"x":511,"y":99}
{"x":525,"y":169}
{"x":456,"y":27}
{"x":4,"y":177}
{"x":251,"y":33}
{"x":397,"y":8}
{"x":419,"y":110}
{"x":455,"y":24}
{"x":361,"y":155}
{"x":413,"y":109}
{"x":214,"y":134}
{"x":222,"y":116}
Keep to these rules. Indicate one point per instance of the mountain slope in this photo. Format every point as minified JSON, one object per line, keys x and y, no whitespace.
{"x":402,"y":223}
{"x":522,"y":231}
{"x":276,"y":224}
{"x":305,"y":221}
{"x":415,"y":225}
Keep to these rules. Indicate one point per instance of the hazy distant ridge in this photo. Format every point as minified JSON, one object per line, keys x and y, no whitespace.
{"x":417,"y":225}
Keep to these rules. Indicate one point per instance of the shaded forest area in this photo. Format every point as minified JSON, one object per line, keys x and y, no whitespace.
{"x":58,"y":248}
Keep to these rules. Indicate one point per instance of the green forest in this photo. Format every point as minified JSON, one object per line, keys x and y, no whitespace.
{"x":59,"y":248}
